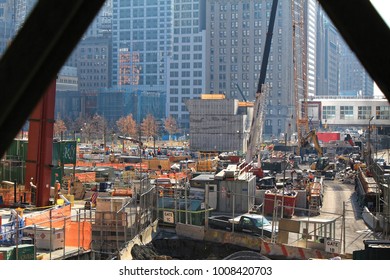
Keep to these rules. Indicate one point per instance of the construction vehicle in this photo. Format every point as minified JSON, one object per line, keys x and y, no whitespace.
{"x":312,"y":137}
{"x":322,"y":166}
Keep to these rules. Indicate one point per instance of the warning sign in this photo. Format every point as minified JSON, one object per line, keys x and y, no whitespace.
{"x":169,"y":217}
{"x":332,"y":246}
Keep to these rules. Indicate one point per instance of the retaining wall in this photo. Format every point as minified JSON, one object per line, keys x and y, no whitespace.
{"x":142,"y":238}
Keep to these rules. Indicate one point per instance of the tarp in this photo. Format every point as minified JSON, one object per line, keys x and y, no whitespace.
{"x":86,"y":177}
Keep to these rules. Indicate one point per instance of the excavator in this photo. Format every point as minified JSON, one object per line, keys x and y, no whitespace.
{"x":322,"y":166}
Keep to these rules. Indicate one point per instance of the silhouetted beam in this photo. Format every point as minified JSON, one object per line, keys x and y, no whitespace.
{"x":36,"y":55}
{"x":367,"y":35}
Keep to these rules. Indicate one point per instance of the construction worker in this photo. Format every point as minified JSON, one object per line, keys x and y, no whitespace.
{"x":94,"y":197}
{"x":58,"y":190}
{"x":311,"y":177}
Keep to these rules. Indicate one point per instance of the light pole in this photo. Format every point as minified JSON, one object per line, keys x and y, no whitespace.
{"x":239,"y":142}
{"x":369,"y":141}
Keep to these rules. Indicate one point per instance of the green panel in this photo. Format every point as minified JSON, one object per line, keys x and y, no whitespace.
{"x":8,"y":253}
{"x":64,"y":152}
{"x":24,"y":148}
{"x":68,"y":152}
{"x":12,"y":173}
{"x":56,"y":154}
{"x":11,"y":151}
{"x":25,"y":252}
{"x":17,"y":149}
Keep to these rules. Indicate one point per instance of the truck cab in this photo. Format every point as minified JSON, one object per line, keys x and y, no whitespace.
{"x":254,"y":224}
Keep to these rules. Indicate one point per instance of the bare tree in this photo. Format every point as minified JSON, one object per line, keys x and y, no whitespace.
{"x":127,"y":126}
{"x":149,"y":126}
{"x":91,"y":127}
{"x":98,"y":127}
{"x":84,"y":125}
{"x":171,"y":125}
{"x":59,"y":127}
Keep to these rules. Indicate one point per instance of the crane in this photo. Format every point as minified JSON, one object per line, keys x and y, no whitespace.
{"x":299,"y":70}
{"x":258,"y":108}
{"x":131,"y":140}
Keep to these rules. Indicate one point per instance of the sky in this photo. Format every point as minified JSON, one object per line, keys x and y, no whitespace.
{"x":383,"y":8}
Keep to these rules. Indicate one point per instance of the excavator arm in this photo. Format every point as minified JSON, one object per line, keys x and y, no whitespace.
{"x":312,"y":137}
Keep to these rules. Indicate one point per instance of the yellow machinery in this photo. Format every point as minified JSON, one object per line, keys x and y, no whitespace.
{"x":323,"y":165}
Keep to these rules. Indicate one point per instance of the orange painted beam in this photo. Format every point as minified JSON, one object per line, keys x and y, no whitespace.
{"x":40,"y":147}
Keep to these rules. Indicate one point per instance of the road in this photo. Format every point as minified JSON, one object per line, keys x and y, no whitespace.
{"x":335,"y":193}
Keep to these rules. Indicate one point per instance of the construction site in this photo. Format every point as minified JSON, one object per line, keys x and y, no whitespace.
{"x":260,"y":200}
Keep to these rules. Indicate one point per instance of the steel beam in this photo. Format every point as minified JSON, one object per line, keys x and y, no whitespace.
{"x":39,"y":160}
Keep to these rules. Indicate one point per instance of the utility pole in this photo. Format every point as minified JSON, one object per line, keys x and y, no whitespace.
{"x":284,"y":174}
{"x":369,"y":141}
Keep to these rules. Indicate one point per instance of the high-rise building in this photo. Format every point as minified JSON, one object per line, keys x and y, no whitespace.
{"x":186,"y":74}
{"x":22,"y":10}
{"x":102,"y":24}
{"x":354,"y":79}
{"x":235,"y":39}
{"x":93,"y":70}
{"x":339,"y":72}
{"x":67,"y":105}
{"x":7,"y":23}
{"x":328,"y":56}
{"x":311,"y":45}
{"x":141,"y":44}
{"x":94,"y":63}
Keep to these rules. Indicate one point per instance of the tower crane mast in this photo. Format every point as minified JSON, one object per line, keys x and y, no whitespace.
{"x":299,"y":70}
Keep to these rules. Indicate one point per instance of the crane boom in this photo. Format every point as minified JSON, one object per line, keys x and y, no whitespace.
{"x":131,"y":140}
{"x":258,"y":112}
{"x":242,"y":94}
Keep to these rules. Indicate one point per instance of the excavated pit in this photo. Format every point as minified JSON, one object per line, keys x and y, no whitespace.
{"x":188,"y":249}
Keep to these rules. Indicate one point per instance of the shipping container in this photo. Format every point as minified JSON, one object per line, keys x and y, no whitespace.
{"x":326,"y":137}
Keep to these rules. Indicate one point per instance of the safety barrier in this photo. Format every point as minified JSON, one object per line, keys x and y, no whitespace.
{"x":291,"y":252}
{"x":77,"y":233}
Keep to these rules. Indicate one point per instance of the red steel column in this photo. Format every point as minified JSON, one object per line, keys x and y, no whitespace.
{"x":40,"y":147}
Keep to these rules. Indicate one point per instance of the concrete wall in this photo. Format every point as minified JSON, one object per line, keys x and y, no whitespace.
{"x":190,"y":231}
{"x":144,"y":237}
{"x":241,"y":191}
{"x":371,"y":221}
{"x":216,"y":125}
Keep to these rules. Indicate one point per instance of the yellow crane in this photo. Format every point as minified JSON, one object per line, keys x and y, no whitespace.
{"x":299,"y":70}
